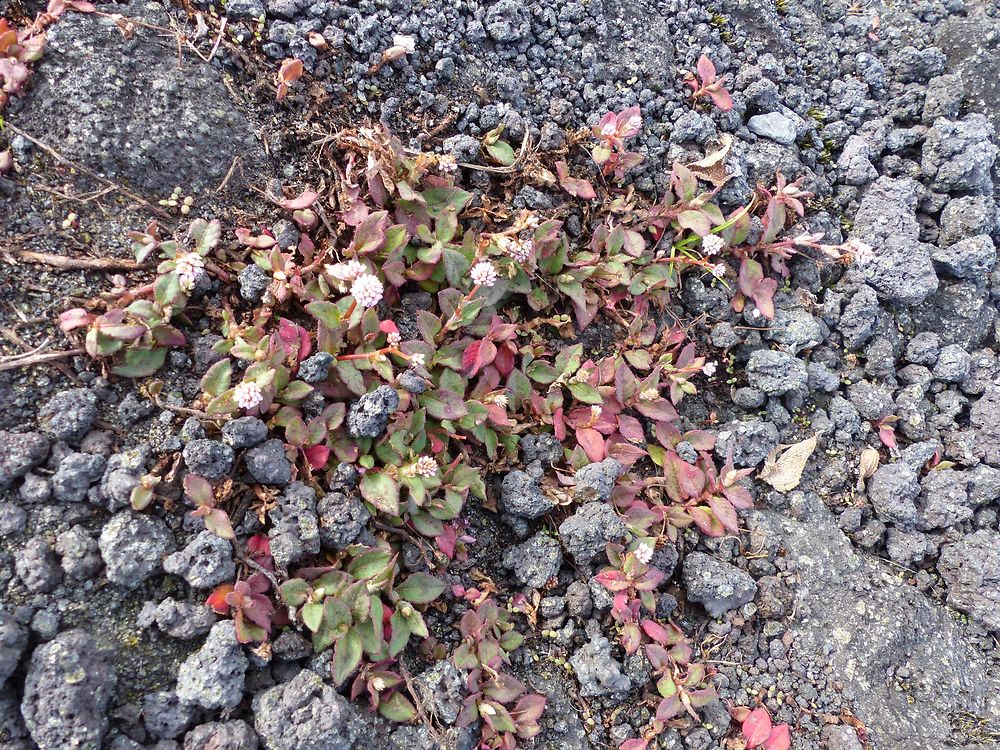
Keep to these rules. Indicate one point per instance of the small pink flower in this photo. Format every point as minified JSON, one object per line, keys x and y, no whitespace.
{"x":190,"y":267}
{"x":426,"y":467}
{"x":643,"y":553}
{"x":367,"y":290}
{"x":484,"y":274}
{"x":248,"y":395}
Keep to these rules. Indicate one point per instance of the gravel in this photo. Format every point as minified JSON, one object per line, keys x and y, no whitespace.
{"x":268,"y":464}
{"x":716,"y":585}
{"x":213,"y":676}
{"x":521,"y":495}
{"x":19,"y":453}
{"x":206,"y":562}
{"x":369,"y":415}
{"x":595,"y":482}
{"x":295,"y":526}
{"x":69,"y":683}
{"x":535,"y":561}
{"x":211,"y":459}
{"x":244,"y":432}
{"x":596,"y":671}
{"x":304,"y":714}
{"x":69,"y":415}
{"x":588,"y":531}
{"x":133,"y":547}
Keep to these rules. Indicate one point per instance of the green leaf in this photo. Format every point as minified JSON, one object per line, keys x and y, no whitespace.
{"x":568,"y":360}
{"x":456,"y":267}
{"x":442,"y":404}
{"x":400,"y":633}
{"x":369,"y":564}
{"x":312,"y":614}
{"x":346,"y":657}
{"x":224,"y":404}
{"x":140,"y":363}
{"x":167,"y":289}
{"x":326,"y":312}
{"x":199,"y":490}
{"x":295,"y":391}
{"x":216,"y":381}
{"x":501,"y":152}
{"x":586,"y":393}
{"x":420,"y":588}
{"x":294,"y":592}
{"x":542,"y":372}
{"x":381,"y":490}
{"x":397,"y":708}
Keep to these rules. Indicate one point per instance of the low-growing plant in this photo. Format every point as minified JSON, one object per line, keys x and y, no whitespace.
{"x":706,"y":83}
{"x":508,"y":711}
{"x":19,"y":48}
{"x":477,"y":363}
{"x":757,"y":729}
{"x":137,"y":332}
{"x":361,"y":610}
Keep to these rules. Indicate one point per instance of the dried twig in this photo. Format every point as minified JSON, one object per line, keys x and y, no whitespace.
{"x":24,"y":360}
{"x":229,"y":174}
{"x":65,"y":263}
{"x":80,"y":168}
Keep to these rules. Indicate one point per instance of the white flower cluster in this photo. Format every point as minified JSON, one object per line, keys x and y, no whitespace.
{"x":719,"y":270}
{"x":426,"y":467}
{"x":709,"y":368}
{"x":248,"y":395}
{"x":367,"y":290}
{"x":484,"y":274}
{"x":515,"y":248}
{"x":417,"y":360}
{"x":190,"y":267}
{"x":346,"y":272}
{"x":644,"y":553}
{"x":712,"y":244}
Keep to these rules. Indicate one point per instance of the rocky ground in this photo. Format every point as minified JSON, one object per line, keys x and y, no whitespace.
{"x":861,"y":610}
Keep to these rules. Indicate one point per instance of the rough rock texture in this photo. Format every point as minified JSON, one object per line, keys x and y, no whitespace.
{"x":245,"y":432}
{"x":369,"y":415}
{"x":971,"y":568}
{"x":70,"y":681}
{"x":19,"y":453}
{"x":133,"y":547}
{"x":716,"y":585}
{"x":13,"y":641}
{"x":268,"y":464}
{"x":213,"y":676}
{"x":211,"y":459}
{"x":69,"y":415}
{"x":305,"y":714}
{"x":223,"y":735}
{"x":521,"y":495}
{"x":206,"y":562}
{"x":597,"y":672}
{"x":901,"y":270}
{"x":341,"y":518}
{"x":295,"y":531}
{"x":587,"y":532}
{"x":535,"y":561}
{"x":596,"y":482}
{"x":124,"y":108}
{"x":871,"y":625}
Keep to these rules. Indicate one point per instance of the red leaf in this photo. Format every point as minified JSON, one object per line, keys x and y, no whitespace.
{"x":217,"y":599}
{"x":887,"y":435}
{"x":504,"y":360}
{"x":575,"y":186}
{"x":631,"y":428}
{"x":722,"y":99}
{"x":634,"y":745}
{"x":612,"y":580}
{"x":592,"y":443}
{"x":477,"y":356}
{"x":304,"y":200}
{"x":655,"y":631}
{"x":706,"y":70}
{"x":725,"y":512}
{"x":317,"y":455}
{"x":779,"y":739}
{"x":757,"y":727}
